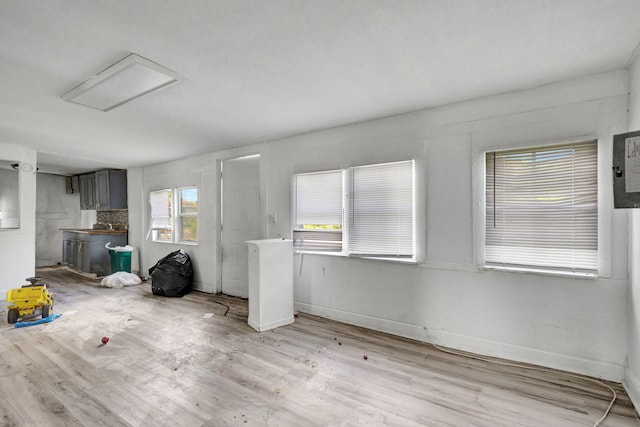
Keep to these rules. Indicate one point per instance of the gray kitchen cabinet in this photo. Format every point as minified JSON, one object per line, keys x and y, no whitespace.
{"x":111,"y":189}
{"x":102,"y":190}
{"x":69,"y":250}
{"x":84,"y":250}
{"x":75,"y":184}
{"x":82,"y":256}
{"x":87,"y":183}
{"x":72,"y":184}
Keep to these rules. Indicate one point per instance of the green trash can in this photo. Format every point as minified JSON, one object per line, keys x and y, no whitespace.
{"x":120,"y":258}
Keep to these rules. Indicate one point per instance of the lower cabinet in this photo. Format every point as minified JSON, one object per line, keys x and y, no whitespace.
{"x":87,"y":253}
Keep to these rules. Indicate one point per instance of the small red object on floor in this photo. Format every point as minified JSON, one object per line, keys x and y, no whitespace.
{"x":105,"y":340}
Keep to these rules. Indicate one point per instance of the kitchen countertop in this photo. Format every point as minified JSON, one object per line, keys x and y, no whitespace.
{"x":93,"y":231}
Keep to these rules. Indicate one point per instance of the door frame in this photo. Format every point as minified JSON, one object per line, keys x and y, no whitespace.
{"x":219,"y":210}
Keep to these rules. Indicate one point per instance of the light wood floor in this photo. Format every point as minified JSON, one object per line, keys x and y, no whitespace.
{"x":167,"y":364}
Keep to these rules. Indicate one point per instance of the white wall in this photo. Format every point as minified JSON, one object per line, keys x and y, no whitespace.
{"x":632,"y":374}
{"x":136,"y":200}
{"x":55,"y":209}
{"x":199,"y":171}
{"x":9,"y":198}
{"x":17,"y":247}
{"x":567,"y":323}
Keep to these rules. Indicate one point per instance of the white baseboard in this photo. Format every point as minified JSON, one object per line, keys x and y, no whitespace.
{"x":203,"y":287}
{"x":594,"y":368}
{"x":632,"y":386}
{"x":270,"y":325}
{"x":197,"y":286}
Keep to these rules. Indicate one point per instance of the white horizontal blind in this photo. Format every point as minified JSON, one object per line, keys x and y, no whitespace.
{"x":160,"y":202}
{"x":318,"y":211}
{"x":381,"y":210}
{"x":161,"y":227}
{"x":542,"y":207}
{"x":316,"y":240}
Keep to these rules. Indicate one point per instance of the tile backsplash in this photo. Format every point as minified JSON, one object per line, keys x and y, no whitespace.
{"x":118,"y":218}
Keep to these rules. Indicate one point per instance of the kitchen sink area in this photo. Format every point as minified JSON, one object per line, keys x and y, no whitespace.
{"x":100,"y":200}
{"x":83,"y":249}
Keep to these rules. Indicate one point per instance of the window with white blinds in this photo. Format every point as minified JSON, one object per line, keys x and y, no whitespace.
{"x":174,"y":225}
{"x":318,"y":211}
{"x":161,"y":228}
{"x":381,"y":213}
{"x":542,"y":208}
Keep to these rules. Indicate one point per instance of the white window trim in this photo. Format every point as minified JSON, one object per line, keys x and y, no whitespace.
{"x":418,"y":221}
{"x":176,"y":216}
{"x":152,"y":229}
{"x":294,"y":213}
{"x":605,"y":204}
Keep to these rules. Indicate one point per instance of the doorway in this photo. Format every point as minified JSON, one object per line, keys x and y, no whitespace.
{"x":240,"y":220}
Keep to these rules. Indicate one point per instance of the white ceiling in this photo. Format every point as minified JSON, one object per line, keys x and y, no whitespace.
{"x":261,"y":70}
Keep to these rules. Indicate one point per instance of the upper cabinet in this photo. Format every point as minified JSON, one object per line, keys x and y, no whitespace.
{"x":111,"y":189}
{"x":103,"y":190}
{"x":87,"y":183}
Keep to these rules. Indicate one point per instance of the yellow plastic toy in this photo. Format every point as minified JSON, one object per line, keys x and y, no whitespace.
{"x":27,"y":299}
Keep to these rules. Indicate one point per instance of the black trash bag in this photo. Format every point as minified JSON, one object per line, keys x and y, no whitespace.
{"x":172,"y":276}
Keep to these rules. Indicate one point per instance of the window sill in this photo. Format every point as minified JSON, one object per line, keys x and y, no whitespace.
{"x":301,"y":252}
{"x":409,"y":261}
{"x":543,"y":272}
{"x":176,"y":243}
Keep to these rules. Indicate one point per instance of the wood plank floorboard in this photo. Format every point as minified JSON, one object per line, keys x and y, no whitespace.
{"x":167,"y":364}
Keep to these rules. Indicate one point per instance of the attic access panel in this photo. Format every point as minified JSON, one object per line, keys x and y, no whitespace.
{"x":626,"y":170}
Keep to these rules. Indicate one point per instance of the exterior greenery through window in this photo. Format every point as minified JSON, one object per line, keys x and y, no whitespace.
{"x":542,"y":208}
{"x":188,"y":214}
{"x":174,"y":225}
{"x":377,"y":200}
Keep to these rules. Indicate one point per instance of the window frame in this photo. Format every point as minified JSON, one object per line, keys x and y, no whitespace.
{"x":602,"y":267}
{"x":155,"y":228}
{"x":298,"y":228}
{"x":365,"y":250}
{"x":180,"y":215}
{"x":174,"y":221}
{"x":347,"y":215}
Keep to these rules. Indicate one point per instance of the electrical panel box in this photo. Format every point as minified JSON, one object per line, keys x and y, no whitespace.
{"x":626,"y":170}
